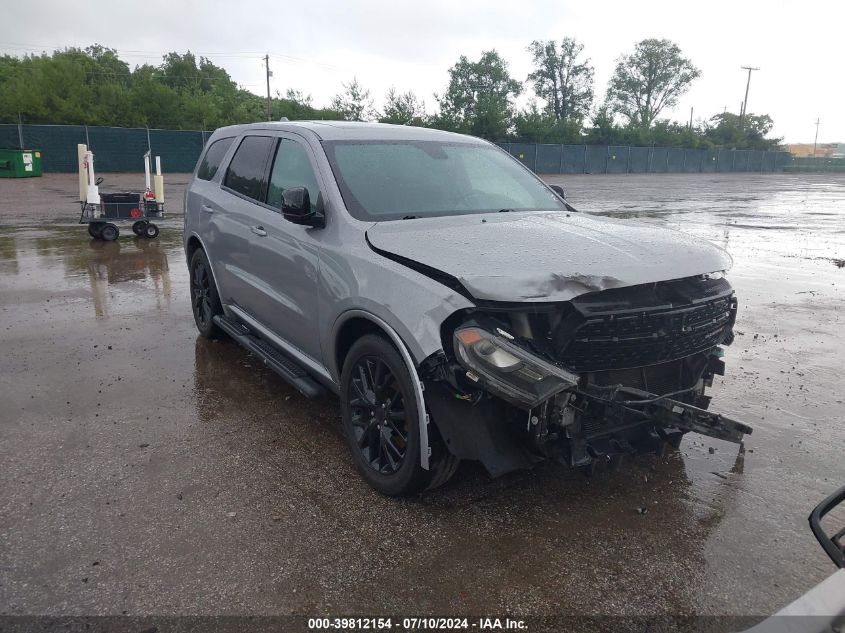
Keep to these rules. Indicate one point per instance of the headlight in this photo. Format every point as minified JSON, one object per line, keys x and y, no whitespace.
{"x":507,"y":370}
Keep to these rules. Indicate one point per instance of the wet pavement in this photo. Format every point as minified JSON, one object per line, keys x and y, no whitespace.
{"x":144,"y":470}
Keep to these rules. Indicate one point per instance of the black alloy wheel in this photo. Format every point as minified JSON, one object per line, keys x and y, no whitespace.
{"x":381,"y":421}
{"x":205,"y":303}
{"x":378,"y":415}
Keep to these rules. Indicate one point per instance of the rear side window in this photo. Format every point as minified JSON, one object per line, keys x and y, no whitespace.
{"x":213,"y":156}
{"x":246,"y":171}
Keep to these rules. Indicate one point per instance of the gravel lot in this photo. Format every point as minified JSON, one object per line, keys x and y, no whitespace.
{"x":148,"y":471}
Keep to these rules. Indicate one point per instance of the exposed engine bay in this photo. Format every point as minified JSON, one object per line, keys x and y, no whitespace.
{"x":585,"y":381}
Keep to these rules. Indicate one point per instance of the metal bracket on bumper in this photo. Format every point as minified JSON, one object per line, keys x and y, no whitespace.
{"x":689,"y":418}
{"x":667,"y":412}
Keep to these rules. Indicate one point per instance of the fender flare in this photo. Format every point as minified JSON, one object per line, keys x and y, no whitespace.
{"x":425,"y":449}
{"x":194,"y":235}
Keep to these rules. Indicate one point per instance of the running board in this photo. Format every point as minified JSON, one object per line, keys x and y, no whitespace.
{"x":289,"y":370}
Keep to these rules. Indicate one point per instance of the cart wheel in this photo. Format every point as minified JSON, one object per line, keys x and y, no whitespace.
{"x":94,"y":229}
{"x":139,"y":227}
{"x":151,"y":231}
{"x":109,"y":232}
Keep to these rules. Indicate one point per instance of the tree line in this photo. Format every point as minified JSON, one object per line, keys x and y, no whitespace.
{"x":94,"y":86}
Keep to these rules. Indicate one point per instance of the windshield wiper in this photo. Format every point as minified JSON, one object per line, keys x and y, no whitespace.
{"x":505,"y":210}
{"x":411,"y":217}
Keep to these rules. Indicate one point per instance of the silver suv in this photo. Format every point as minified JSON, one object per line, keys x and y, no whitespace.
{"x":458,"y":306}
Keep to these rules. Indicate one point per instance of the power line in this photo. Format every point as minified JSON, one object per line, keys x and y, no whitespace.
{"x":155,"y":75}
{"x":39,"y":48}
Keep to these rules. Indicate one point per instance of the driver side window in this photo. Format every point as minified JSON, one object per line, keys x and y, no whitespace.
{"x":291,"y":168}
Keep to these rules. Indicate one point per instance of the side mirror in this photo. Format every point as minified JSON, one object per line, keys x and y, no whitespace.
{"x":558,"y":190}
{"x":296,"y":208}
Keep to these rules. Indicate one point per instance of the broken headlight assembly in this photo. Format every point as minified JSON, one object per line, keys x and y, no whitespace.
{"x":507,"y":370}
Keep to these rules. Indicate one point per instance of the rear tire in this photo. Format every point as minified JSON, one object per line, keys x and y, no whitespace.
{"x":381,"y":422}
{"x":151,"y":231}
{"x":138,"y":228}
{"x":94,"y":229}
{"x":205,"y":302}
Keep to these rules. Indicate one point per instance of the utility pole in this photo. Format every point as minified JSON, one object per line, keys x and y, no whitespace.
{"x":747,"y":85}
{"x":816,"y":140}
{"x":269,"y":74}
{"x":690,"y":117}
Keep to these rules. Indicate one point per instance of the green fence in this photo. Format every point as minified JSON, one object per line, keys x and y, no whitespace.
{"x":115,"y":148}
{"x":816,"y":164}
{"x":121,"y":149}
{"x":622,"y":159}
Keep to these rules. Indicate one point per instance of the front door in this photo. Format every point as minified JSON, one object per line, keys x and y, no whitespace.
{"x":285,"y":256}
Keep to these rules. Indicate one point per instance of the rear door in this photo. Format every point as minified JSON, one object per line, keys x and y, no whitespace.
{"x":230,"y":219}
{"x":201,"y":192}
{"x":286,"y":255}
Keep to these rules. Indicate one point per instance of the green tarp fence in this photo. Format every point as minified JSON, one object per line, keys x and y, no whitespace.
{"x":122,"y":149}
{"x":622,"y":159}
{"x":816,"y":164}
{"x":115,"y":148}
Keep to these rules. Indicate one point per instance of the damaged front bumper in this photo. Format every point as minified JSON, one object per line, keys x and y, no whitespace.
{"x":579,"y":425}
{"x":506,"y":394}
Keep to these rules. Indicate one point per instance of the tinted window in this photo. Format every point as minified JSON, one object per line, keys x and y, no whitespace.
{"x":291,"y":168}
{"x":246,"y":171}
{"x":390,"y":180}
{"x":211,"y":161}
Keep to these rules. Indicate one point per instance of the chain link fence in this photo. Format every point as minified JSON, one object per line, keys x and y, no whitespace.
{"x":121,"y":149}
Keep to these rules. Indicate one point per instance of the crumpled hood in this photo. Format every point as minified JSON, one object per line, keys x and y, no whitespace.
{"x":546,"y":256}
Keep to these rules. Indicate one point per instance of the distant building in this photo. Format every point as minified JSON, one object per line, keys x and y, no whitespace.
{"x":823,"y":150}
{"x":838,"y":151}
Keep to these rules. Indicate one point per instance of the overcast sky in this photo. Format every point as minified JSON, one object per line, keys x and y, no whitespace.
{"x":317,"y":44}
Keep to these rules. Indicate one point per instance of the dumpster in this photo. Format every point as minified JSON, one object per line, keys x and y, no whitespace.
{"x":20,"y":163}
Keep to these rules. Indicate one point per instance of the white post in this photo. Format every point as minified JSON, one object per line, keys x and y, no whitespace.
{"x":147,"y":170}
{"x":93,"y":196}
{"x":159,"y":182}
{"x":81,"y":150}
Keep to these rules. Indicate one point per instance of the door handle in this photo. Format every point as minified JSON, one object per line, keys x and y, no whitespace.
{"x":206,"y":209}
{"x":258,"y":230}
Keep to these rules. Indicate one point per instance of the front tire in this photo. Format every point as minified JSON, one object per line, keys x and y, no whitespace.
{"x":381,"y":422}
{"x":109,"y":232}
{"x":205,"y":302}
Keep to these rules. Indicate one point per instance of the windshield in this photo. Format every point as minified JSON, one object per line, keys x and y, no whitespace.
{"x":389,"y":180}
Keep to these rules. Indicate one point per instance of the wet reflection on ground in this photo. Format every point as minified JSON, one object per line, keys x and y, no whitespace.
{"x":204,"y":475}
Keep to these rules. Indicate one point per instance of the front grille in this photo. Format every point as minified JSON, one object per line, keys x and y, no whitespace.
{"x":634,"y":337}
{"x":660,"y":379}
